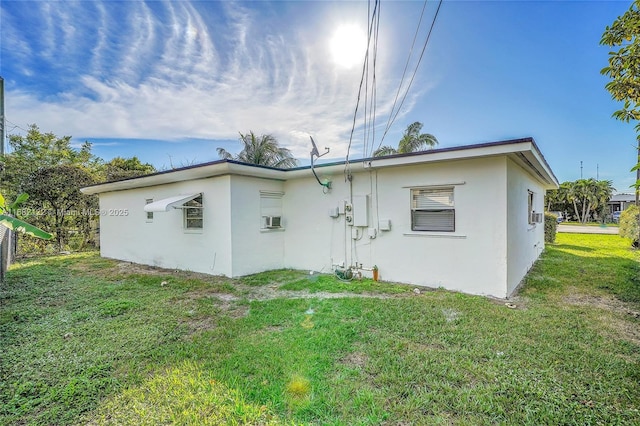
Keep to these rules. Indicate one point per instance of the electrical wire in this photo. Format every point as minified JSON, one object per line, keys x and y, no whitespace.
{"x":366,"y":84}
{"x":415,"y":71}
{"x":362,"y":79}
{"x":374,"y":90}
{"x":15,"y":126}
{"x":406,"y":67}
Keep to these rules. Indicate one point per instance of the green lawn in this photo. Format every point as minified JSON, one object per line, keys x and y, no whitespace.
{"x":604,"y":225}
{"x":87,"y":340}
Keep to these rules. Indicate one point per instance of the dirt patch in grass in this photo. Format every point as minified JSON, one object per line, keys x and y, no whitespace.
{"x":114,"y":268}
{"x":263,"y":293}
{"x":621,"y":328}
{"x":198,"y":325}
{"x":624,"y":325}
{"x":602,"y":302}
{"x":236,"y":311}
{"x":258,"y":287}
{"x":135,"y":268}
{"x":355,"y":359}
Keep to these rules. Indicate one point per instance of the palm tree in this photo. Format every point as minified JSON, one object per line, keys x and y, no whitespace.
{"x":587,"y":195}
{"x":263,"y":151}
{"x":604,"y":191}
{"x":412,"y":141}
{"x":557,"y":198}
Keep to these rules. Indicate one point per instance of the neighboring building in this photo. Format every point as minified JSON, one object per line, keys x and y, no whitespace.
{"x":620,"y":202}
{"x":466,"y":218}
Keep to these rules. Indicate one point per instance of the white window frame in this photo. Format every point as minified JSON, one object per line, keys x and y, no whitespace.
{"x":270,"y":206}
{"x":437,"y":208}
{"x":189,"y":208}
{"x":149,"y":217}
{"x":530,"y":208}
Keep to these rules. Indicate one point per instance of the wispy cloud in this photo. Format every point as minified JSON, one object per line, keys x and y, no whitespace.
{"x":169,"y":71}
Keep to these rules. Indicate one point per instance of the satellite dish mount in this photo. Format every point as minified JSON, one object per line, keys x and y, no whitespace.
{"x":316,"y":153}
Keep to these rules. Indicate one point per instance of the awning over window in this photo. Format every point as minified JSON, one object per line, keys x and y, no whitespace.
{"x":166,"y":204}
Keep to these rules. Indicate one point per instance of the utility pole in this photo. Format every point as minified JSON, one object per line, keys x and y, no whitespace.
{"x":580,"y":169}
{"x":597,"y":171}
{"x":2,"y":122}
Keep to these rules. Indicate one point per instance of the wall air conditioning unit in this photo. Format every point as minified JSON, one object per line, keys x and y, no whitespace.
{"x":537,"y":217}
{"x":271,"y":222}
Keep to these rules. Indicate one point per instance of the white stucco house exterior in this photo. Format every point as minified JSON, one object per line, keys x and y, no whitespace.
{"x":465,"y":218}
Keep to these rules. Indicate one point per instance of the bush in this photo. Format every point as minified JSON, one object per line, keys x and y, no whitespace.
{"x":550,"y":227}
{"x":629,"y":224}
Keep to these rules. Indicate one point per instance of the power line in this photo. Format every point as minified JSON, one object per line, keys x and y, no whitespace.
{"x":415,"y":71}
{"x":406,"y":67}
{"x":370,"y":118}
{"x":15,"y":126}
{"x":364,"y":68}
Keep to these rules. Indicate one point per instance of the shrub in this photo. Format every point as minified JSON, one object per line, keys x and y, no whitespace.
{"x":550,"y":227}
{"x":629,"y":224}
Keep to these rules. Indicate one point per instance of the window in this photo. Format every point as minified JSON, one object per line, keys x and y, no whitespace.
{"x":271,"y":209}
{"x":432,"y":209}
{"x":530,"y":212}
{"x":192,"y":213}
{"x":149,"y":214}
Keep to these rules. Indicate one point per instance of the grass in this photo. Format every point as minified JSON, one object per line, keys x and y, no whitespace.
{"x":602,"y":225}
{"x":85,"y":341}
{"x":329,"y":283}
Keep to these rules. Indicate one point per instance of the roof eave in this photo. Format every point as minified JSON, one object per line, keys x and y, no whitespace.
{"x":525,"y":151}
{"x":187,"y":173}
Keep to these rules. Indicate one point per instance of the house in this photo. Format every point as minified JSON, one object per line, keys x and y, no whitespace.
{"x":620,"y":202}
{"x":466,"y":218}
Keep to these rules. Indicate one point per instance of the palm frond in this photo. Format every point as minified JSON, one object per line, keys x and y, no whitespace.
{"x":262,"y":150}
{"x":384,"y":151}
{"x":224,"y":154}
{"x":414,"y":141}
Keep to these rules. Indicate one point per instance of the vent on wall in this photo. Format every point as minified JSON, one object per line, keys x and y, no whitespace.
{"x":536,"y":217}
{"x":271,"y":222}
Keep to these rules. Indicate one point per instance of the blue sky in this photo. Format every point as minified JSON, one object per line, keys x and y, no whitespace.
{"x":172,"y":81}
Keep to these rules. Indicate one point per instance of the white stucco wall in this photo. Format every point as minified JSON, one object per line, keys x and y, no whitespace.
{"x":525,"y":241}
{"x":471,"y":259}
{"x":163,"y":242}
{"x":254,"y":249}
{"x":489,"y":253}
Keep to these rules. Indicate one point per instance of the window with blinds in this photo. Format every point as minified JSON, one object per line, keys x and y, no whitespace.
{"x":432,"y":209}
{"x":271,"y":209}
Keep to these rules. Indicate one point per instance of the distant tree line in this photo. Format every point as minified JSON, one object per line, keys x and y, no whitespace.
{"x":51,"y":172}
{"x":585,"y":199}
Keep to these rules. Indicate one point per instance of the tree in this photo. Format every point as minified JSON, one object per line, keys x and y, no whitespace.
{"x":124,"y":168}
{"x":24,"y":169}
{"x":588,"y":195}
{"x":629,"y":224}
{"x":56,"y":190}
{"x":624,"y":71}
{"x":263,"y":151}
{"x":604,"y":191}
{"x":412,"y":141}
{"x":557,"y":199}
{"x":38,"y":150}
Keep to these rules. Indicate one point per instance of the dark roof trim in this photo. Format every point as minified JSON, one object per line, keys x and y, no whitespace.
{"x":336,"y":163}
{"x":430,"y":151}
{"x":194,"y":166}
